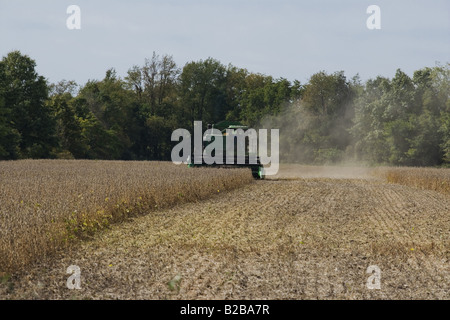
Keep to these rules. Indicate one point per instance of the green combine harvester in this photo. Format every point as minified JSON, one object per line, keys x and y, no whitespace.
{"x":246,"y":158}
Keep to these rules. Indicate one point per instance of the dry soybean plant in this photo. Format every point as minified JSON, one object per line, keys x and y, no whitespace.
{"x":436,"y":179}
{"x":45,"y":204}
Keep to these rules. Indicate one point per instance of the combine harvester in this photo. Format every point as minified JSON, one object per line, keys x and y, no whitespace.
{"x":240,"y":155}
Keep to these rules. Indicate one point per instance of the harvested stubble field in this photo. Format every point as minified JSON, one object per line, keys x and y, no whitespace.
{"x":308,"y":233}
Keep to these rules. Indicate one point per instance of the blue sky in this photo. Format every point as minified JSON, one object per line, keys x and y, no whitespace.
{"x":283,"y":38}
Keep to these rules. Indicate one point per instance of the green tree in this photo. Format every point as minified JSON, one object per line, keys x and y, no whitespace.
{"x":68,"y":124}
{"x":262,"y":96}
{"x":104,"y":109}
{"x":24,"y":97}
{"x":444,"y":130}
{"x":235,"y":86}
{"x":156,"y":109}
{"x":101,"y":143}
{"x":327,"y":94}
{"x":441,"y":88}
{"x":9,"y":137}
{"x":424,"y":144}
{"x":252,"y":98}
{"x":328,"y":110}
{"x":203,"y":91}
{"x":401,"y":121}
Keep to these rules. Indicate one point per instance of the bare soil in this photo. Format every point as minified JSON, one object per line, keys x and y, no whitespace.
{"x":306,"y":237}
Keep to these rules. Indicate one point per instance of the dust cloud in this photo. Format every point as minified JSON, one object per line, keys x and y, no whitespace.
{"x":316,"y":146}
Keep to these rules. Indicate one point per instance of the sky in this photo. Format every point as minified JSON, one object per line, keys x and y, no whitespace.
{"x":292,"y":39}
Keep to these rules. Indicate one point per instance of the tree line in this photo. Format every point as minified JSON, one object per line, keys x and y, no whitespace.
{"x":398,"y":121}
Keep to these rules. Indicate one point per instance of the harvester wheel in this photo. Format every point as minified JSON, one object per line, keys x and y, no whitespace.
{"x":258,"y":173}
